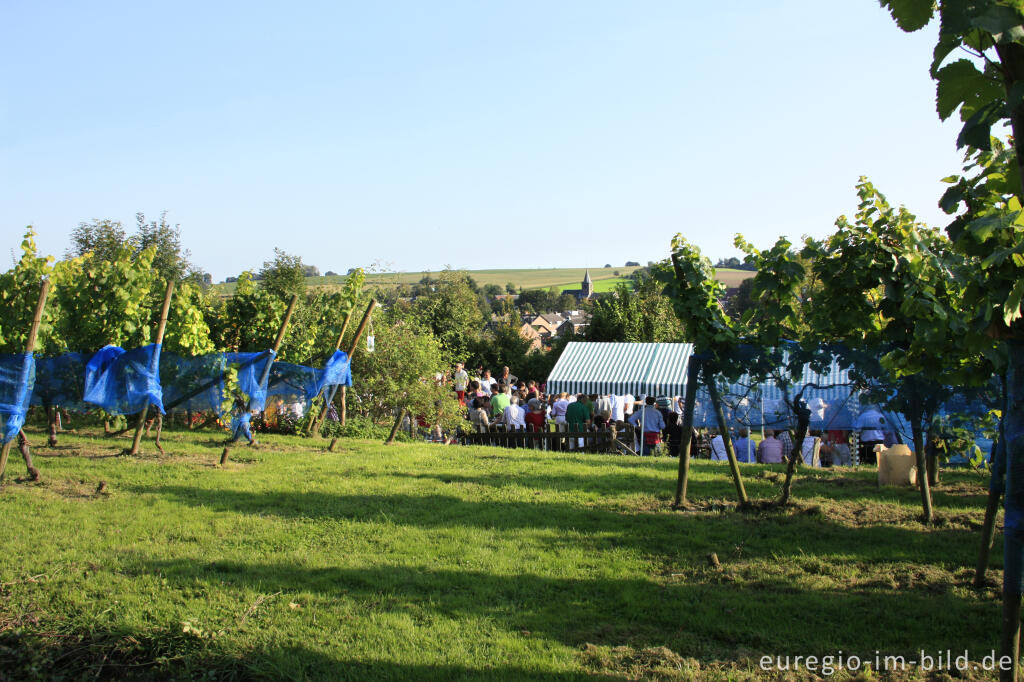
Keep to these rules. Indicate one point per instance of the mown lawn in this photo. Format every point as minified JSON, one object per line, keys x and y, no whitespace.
{"x":422,"y":561}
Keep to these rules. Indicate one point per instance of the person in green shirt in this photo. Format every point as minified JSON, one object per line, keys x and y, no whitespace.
{"x":500,"y":401}
{"x":577,"y":415}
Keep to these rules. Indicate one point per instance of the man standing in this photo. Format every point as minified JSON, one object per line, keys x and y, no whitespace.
{"x":673,"y":426}
{"x":653,"y":424}
{"x":577,"y":414}
{"x":486,"y":381}
{"x":461,"y":381}
{"x":507,"y":377}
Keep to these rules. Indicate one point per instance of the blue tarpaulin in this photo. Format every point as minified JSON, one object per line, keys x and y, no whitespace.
{"x":121,"y":381}
{"x":17,"y":377}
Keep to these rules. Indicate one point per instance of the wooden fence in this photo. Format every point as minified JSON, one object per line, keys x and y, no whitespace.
{"x":557,"y":438}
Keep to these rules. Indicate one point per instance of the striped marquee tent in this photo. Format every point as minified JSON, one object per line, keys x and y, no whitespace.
{"x":620,"y":368}
{"x":659,"y":369}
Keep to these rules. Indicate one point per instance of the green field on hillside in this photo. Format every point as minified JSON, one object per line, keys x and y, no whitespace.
{"x":432,"y":562}
{"x":540,"y":278}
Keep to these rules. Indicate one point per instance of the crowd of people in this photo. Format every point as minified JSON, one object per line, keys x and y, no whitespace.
{"x":523,"y":404}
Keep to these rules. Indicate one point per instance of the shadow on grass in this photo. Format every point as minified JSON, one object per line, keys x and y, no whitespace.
{"x":173,"y":654}
{"x":708,"y":620}
{"x":660,"y":536}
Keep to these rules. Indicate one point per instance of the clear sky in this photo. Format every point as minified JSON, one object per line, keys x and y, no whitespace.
{"x":470,"y":134}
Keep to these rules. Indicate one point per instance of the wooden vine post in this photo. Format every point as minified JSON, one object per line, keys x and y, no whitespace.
{"x":30,"y":347}
{"x":270,"y":360}
{"x":692,"y":379}
{"x":723,"y":426}
{"x":352,"y":351}
{"x":154,"y":367}
{"x":327,"y":400}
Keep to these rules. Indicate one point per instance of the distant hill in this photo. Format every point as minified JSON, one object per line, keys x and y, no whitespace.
{"x":604,"y":279}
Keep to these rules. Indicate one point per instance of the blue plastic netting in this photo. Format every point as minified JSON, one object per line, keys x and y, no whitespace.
{"x":121,"y":382}
{"x":17,"y":377}
{"x":297,"y":383}
{"x":60,"y":381}
{"x":198,"y":383}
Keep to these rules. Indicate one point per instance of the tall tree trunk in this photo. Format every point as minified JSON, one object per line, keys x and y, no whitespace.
{"x":922,"y":465}
{"x":996,"y":485}
{"x":730,"y":452}
{"x":803,"y":419}
{"x":1013,"y":527}
{"x":692,"y":378}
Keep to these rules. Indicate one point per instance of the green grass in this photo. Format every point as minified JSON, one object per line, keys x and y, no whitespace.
{"x":422,"y":561}
{"x":538,"y":278}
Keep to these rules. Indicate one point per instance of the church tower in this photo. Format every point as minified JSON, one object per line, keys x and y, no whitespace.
{"x":588,"y":286}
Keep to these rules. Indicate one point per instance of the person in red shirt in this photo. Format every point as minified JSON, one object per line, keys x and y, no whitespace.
{"x":535,"y":419}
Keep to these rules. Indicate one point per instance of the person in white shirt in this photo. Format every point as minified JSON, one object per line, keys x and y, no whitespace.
{"x":618,"y":408}
{"x":486,"y":381}
{"x":461,"y":381}
{"x":515,"y":416}
{"x":628,"y":403}
{"x":558,"y":408}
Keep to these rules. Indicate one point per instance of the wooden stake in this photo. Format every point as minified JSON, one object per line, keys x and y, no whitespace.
{"x":351,"y":353}
{"x":716,"y":401}
{"x":154,"y":367}
{"x":394,"y":429}
{"x":224,"y":456}
{"x":693,"y":376}
{"x":330,"y":448}
{"x":30,"y":347}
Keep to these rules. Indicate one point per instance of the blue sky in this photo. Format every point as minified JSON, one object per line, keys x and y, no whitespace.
{"x":469,"y":134}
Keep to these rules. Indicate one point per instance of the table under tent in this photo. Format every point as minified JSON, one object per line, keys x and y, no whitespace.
{"x":661,"y":370}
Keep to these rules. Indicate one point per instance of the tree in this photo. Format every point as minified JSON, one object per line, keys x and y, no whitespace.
{"x":104,"y":239}
{"x":19,"y":292}
{"x":451,"y":312}
{"x":171,"y":261}
{"x":641,"y":315}
{"x":492,"y":290}
{"x":510,"y":288}
{"x":284,"y":276}
{"x":696,"y":294}
{"x":991,"y":224}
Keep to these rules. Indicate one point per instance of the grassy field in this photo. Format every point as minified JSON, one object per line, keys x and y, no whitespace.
{"x":539,"y":278}
{"x":431,"y":562}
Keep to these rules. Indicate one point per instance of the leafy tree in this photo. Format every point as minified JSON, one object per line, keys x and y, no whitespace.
{"x":451,"y":313}
{"x":510,"y":288}
{"x":19,"y":293}
{"x":492,"y":290}
{"x":108,"y":301}
{"x":502,"y":346}
{"x":171,"y":260}
{"x":250,"y":318}
{"x":889,"y":287}
{"x":104,"y":239}
{"x":641,"y":315}
{"x":284,"y":276}
{"x":696,"y":295}
{"x":407,"y":357}
{"x":539,"y":300}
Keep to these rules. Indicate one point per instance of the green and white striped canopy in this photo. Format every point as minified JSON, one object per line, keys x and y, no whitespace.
{"x":657,"y":369}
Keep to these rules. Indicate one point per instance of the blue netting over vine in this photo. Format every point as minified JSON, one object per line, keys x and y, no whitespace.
{"x":297,"y":383}
{"x":60,"y":380}
{"x":17,"y":377}
{"x":199,"y":383}
{"x":121,"y":382}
